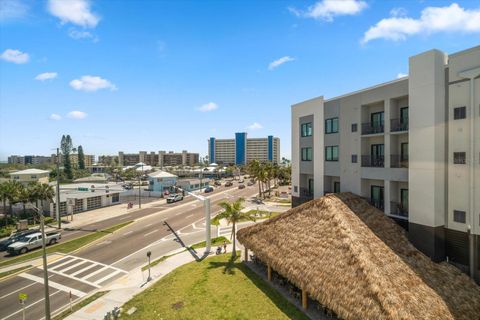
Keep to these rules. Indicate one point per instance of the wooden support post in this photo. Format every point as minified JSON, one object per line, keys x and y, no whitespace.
{"x":246,"y":255}
{"x":269,"y":272}
{"x":304,"y":299}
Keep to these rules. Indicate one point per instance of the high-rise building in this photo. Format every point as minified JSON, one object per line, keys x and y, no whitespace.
{"x":88,"y":159}
{"x":242,"y":150}
{"x":161,"y":159}
{"x":410,"y":146}
{"x":30,"y":159}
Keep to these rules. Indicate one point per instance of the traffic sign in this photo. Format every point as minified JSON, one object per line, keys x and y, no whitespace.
{"x":22,"y":296}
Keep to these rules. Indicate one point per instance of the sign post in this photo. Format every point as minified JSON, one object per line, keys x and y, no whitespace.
{"x":149,"y":253}
{"x":70,"y":297}
{"x":22,"y":297}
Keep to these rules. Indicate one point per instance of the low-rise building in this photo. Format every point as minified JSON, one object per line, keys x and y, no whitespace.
{"x":161,"y":181}
{"x":30,"y":175}
{"x":193,"y":184}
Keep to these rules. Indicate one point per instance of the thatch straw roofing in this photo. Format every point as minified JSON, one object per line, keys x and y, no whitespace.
{"x":359,"y":263}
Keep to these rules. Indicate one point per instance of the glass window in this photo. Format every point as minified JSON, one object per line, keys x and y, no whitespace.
{"x":354,"y":127}
{"x":306,"y":129}
{"x":377,"y":119}
{"x":306,"y":154}
{"x":459,"y":216}
{"x":331,"y":125}
{"x":459,"y":158}
{"x":354,"y":158}
{"x":459,"y":113}
{"x":331,"y":153}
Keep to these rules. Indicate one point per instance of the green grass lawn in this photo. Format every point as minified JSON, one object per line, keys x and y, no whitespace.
{"x":66,"y":247}
{"x":7,"y":273}
{"x":80,"y":305}
{"x":215,"y":288}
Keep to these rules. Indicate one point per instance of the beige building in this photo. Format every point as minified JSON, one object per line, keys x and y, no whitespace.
{"x":241,"y":150}
{"x":30,"y":175}
{"x":411,"y":146}
{"x":161,"y":159}
{"x":88,"y":159}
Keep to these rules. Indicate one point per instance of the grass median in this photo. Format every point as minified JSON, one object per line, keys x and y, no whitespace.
{"x":66,"y":247}
{"x":7,"y":273}
{"x":214,"y":288}
{"x":80,"y":305}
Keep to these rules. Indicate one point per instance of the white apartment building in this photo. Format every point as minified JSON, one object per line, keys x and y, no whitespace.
{"x":242,"y":150}
{"x":410,"y":146}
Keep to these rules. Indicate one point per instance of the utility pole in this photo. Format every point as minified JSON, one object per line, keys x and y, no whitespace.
{"x":140,"y":189}
{"x":44,"y":258}
{"x":57,"y":192}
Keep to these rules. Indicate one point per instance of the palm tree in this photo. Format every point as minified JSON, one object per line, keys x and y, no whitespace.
{"x":233,"y":214}
{"x":13,"y":189}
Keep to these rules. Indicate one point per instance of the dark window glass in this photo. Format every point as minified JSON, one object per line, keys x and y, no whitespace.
{"x":331,"y":153}
{"x":354,"y":158}
{"x":306,"y":154}
{"x":459,"y":113}
{"x":306,"y":129}
{"x":354,"y":127}
{"x":331,"y":125}
{"x":459,"y":216}
{"x":459,"y":157}
{"x":336,"y":187}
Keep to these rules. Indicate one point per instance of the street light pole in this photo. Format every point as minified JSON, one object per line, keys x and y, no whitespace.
{"x":57,"y":192}
{"x":140,"y":189}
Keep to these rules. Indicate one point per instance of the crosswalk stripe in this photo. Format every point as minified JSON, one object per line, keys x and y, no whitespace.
{"x":53,"y":284}
{"x":84,"y":269}
{"x":75,"y":278}
{"x":73,"y":266}
{"x":95,"y":273}
{"x":108,"y":276}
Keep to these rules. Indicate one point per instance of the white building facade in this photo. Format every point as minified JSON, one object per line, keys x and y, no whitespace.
{"x":410,"y":146}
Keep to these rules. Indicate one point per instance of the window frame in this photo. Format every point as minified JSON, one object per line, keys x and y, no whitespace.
{"x":306,"y":129}
{"x":460,"y":113}
{"x":459,"y":212}
{"x":331,"y":157}
{"x":457,"y":156}
{"x":331,"y":121}
{"x":308,"y":155}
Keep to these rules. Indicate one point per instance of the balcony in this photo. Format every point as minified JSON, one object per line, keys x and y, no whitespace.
{"x":398,"y":125}
{"x":373,"y":161}
{"x":398,"y":161}
{"x":398,"y":210}
{"x":372,"y":128}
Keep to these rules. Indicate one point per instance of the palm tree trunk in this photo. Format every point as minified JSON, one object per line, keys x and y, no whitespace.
{"x":234,"y":250}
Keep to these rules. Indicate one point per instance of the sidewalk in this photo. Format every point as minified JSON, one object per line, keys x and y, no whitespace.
{"x":125,"y":288}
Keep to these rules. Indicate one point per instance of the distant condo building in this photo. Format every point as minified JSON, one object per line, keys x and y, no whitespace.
{"x":13,"y":159}
{"x":89,"y":159}
{"x":241,"y":150}
{"x":160,"y":159}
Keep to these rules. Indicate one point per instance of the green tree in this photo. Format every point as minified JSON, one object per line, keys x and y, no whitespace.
{"x":13,"y":190}
{"x":45,"y":193}
{"x":233,"y":214}
{"x":81,"y":158}
{"x":66,"y":147}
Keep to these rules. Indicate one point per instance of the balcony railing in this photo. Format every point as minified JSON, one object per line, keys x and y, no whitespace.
{"x":397,"y":125}
{"x":372,"y":128}
{"x":397,"y":161}
{"x":397,"y":209}
{"x":373,"y":161}
{"x":306,"y":193}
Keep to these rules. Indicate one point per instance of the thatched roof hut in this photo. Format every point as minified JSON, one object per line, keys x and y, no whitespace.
{"x":359,"y":263}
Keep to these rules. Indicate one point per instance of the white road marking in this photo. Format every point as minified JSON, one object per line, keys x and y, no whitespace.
{"x":53,"y":284}
{"x":91,"y":275}
{"x":190,"y":215}
{"x":148,"y":225}
{"x":147,"y":234}
{"x":108,"y":276}
{"x":73,"y":266}
{"x":124,"y":218}
{"x":127,"y":233}
{"x":104,"y":242}
{"x":84,"y":269}
{"x":75,"y":278}
{"x":30,"y":305}
{"x":61,"y":264}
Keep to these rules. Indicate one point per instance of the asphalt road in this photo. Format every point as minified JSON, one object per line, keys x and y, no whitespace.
{"x":73,"y":233}
{"x":99,"y":264}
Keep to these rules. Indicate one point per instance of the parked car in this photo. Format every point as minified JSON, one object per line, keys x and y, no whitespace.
{"x":218,"y":183}
{"x":241,"y":186}
{"x":128,"y":186}
{"x":250,"y":183}
{"x":166,"y":193}
{"x":228,"y":184}
{"x":240,"y":181}
{"x":208,"y":189}
{"x":174,"y":198}
{"x":15,"y":237}
{"x":32,"y":241}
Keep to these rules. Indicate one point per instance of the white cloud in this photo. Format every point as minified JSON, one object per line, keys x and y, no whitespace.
{"x":82,"y":34}
{"x":398,"y":12}
{"x":208,"y":107}
{"x":328,"y":9}
{"x":432,"y":20}
{"x":12,"y":9}
{"x":77,"y":115}
{"x":279,"y":62}
{"x":46,"y":76}
{"x":55,"y":117}
{"x":15,"y":56}
{"x":401,"y":75}
{"x":92,"y":83}
{"x":255,"y":126}
{"x":74,"y":11}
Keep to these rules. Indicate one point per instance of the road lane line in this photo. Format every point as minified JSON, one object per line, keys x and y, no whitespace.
{"x":91,"y":275}
{"x":190,"y":215}
{"x":72,"y":266}
{"x":6,"y":295}
{"x":82,"y":270}
{"x":108,"y":276}
{"x":53,"y":284}
{"x":124,"y":218}
{"x":127,"y":233}
{"x":147,"y":234}
{"x":62,"y":264}
{"x":30,"y":305}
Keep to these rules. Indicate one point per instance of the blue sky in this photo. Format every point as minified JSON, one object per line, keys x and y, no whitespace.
{"x":167,"y":75}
